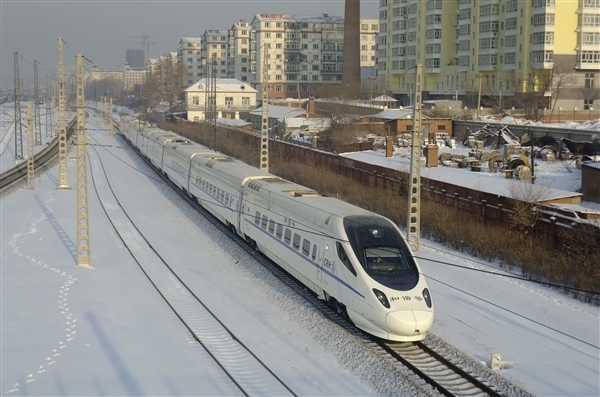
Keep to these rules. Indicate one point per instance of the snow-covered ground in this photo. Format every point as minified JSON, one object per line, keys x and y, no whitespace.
{"x":68,"y":330}
{"x":7,"y":132}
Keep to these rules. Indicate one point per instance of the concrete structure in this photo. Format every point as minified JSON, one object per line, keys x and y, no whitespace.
{"x":306,"y":53}
{"x":239,"y":51}
{"x":215,"y":42}
{"x":136,"y":58}
{"x":351,"y":72}
{"x":190,"y":56}
{"x":503,"y":47}
{"x":153,"y":63}
{"x":235,"y":99}
{"x":133,"y":77}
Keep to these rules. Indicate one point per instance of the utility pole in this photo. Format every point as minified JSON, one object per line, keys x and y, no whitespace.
{"x":63,"y":167}
{"x":211,"y":103}
{"x":37,"y":124}
{"x":110,"y":120}
{"x":264,"y":130}
{"x":48,"y":106}
{"x":479,"y":96}
{"x":30,"y":152}
{"x":83,"y":221}
{"x":18,"y":125}
{"x":413,"y":233}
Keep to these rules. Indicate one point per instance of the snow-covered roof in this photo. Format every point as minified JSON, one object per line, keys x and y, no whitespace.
{"x":223,"y":85}
{"x":232,"y":122}
{"x":394,"y":114}
{"x":300,"y":18}
{"x":280,"y":112}
{"x":592,"y":165}
{"x":384,"y":98}
{"x":190,"y":40}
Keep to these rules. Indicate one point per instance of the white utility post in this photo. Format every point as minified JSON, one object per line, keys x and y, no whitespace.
{"x":63,"y":167}
{"x":30,"y":153}
{"x":83,"y":221}
{"x":413,"y":234}
{"x":264,"y":131}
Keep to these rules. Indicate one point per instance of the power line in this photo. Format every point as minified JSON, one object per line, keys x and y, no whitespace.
{"x":513,"y":312}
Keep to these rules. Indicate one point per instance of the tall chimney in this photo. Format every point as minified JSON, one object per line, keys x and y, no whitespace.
{"x":351,"y":73}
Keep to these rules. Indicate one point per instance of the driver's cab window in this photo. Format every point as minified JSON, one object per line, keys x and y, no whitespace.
{"x":388,"y":259}
{"x":344,"y":258}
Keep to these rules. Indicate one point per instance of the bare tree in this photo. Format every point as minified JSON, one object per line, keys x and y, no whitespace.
{"x":164,"y":83}
{"x":561,"y":77}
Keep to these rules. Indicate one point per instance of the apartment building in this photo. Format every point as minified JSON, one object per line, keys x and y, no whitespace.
{"x":154,"y":63}
{"x":214,"y":49}
{"x":190,"y":56}
{"x":502,"y":48}
{"x":305,"y":53}
{"x":239,"y":51}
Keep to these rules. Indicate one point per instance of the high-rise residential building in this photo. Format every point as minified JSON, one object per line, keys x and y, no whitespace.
{"x":548,"y":48}
{"x":214,"y":42}
{"x":189,"y":54}
{"x":239,"y":38}
{"x":305,"y":53}
{"x":136,"y":58}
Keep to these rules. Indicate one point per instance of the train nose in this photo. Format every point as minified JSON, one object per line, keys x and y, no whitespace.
{"x":409,"y":322}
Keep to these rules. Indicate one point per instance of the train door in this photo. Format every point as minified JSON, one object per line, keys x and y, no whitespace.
{"x":240,"y":210}
{"x":320,"y":259}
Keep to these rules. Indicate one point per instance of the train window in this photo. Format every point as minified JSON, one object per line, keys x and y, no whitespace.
{"x":344,"y":257}
{"x":264,"y":222}
{"x":279,"y":230}
{"x":314,"y":253}
{"x":222,"y":195}
{"x":226,"y":198}
{"x":217,"y":193}
{"x":296,"y":243}
{"x":306,"y":247}
{"x":288,"y":236}
{"x":271,"y":226}
{"x":257,"y":218}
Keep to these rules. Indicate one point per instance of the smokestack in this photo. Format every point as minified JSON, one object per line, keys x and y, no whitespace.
{"x":351,"y":73}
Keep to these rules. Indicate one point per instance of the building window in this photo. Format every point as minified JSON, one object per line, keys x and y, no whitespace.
{"x":228,"y":100}
{"x":589,"y":80}
{"x":278,"y":88}
{"x":246,"y":101}
{"x":196,"y":100}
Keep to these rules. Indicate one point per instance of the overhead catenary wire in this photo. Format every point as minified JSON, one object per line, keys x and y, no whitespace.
{"x":307,"y":229}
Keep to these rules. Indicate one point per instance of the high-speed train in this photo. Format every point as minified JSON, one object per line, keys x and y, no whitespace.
{"x":354,"y":259}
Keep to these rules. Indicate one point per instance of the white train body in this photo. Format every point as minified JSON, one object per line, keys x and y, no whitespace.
{"x":351,"y":257}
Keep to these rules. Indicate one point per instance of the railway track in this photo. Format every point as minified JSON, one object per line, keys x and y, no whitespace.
{"x":433,"y":372}
{"x":41,"y":159}
{"x":243,"y":367}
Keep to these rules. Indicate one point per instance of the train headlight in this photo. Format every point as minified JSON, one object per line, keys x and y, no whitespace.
{"x":382,"y":298}
{"x":376,"y":233}
{"x":427,"y":297}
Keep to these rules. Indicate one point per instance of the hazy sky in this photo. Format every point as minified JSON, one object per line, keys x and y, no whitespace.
{"x":101,"y":29}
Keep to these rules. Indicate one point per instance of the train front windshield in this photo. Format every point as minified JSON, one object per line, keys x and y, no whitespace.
{"x":382,"y":252}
